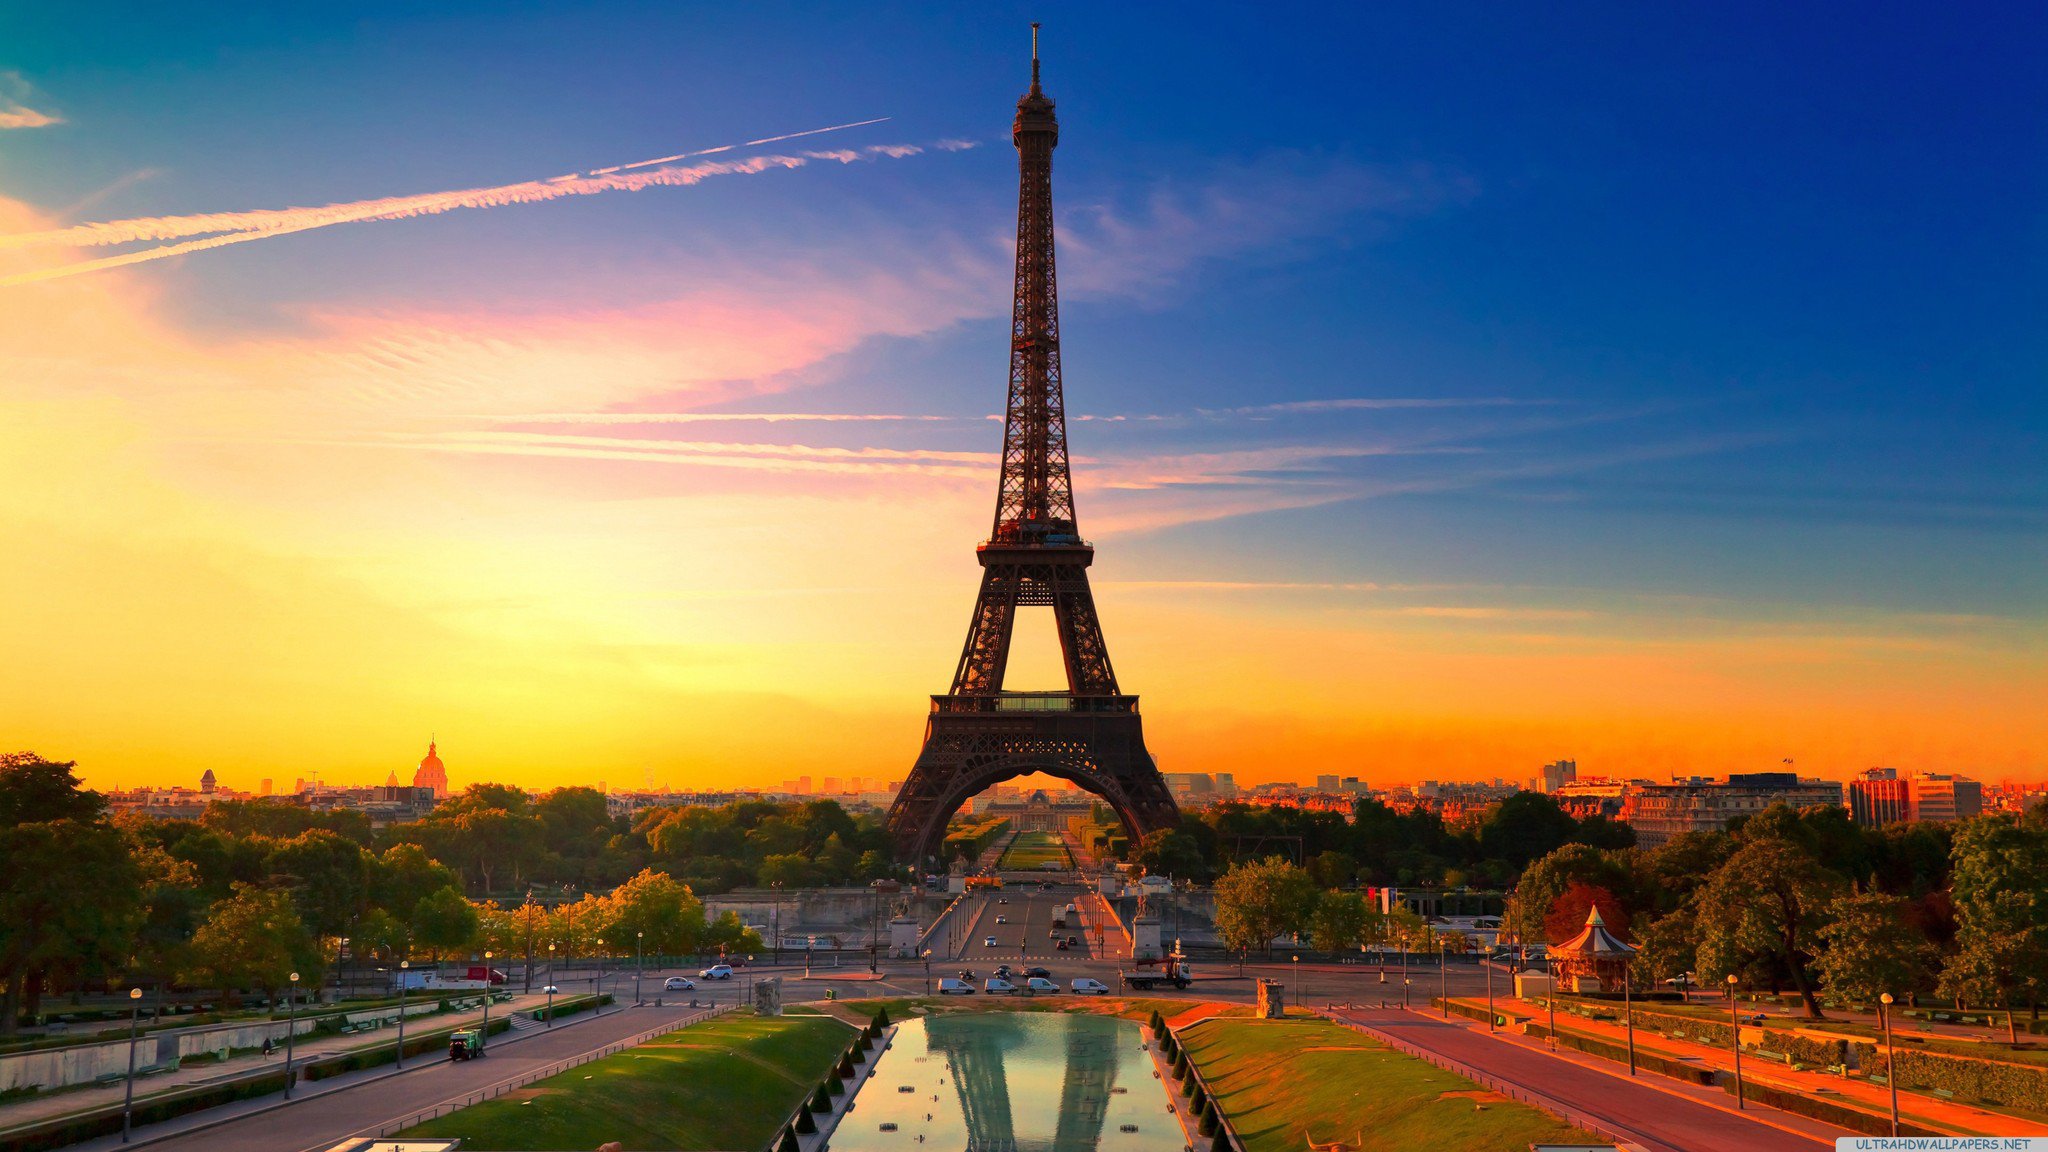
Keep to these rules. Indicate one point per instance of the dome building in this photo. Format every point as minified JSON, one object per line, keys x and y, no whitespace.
{"x":432,"y":774}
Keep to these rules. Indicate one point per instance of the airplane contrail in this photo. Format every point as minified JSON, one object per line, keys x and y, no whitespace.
{"x":179,"y":227}
{"x":241,"y":227}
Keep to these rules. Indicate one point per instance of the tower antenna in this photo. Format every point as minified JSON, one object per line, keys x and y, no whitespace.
{"x":1034,"y":55}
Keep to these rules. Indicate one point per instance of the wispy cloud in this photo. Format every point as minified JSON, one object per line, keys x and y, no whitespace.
{"x":224,"y":228}
{"x":14,"y":111}
{"x":628,"y":418}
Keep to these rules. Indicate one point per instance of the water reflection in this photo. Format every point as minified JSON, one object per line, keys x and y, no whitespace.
{"x":1012,"y":1082}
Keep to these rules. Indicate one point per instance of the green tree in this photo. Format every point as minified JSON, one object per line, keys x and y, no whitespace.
{"x":404,"y":875}
{"x":1999,"y":880}
{"x":380,"y":935}
{"x":1341,"y":921}
{"x":653,"y":903}
{"x":444,"y":922}
{"x":328,"y":876}
{"x":1257,"y":902}
{"x":1334,"y":869}
{"x":1172,"y":852}
{"x":38,"y":791}
{"x":1526,"y":826}
{"x":70,"y":899}
{"x":1869,"y":947}
{"x":253,"y":939}
{"x":1544,"y":881}
{"x":1766,"y":906}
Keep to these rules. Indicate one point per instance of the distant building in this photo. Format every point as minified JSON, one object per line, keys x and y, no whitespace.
{"x":1660,"y":813}
{"x":1326,"y":783}
{"x":1879,"y":797}
{"x":207,"y":783}
{"x":432,"y":774}
{"x":263,"y":787}
{"x":1224,"y":784}
{"x":1946,"y":798}
{"x":1559,"y":774}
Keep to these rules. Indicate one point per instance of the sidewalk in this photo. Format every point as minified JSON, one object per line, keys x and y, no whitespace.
{"x":43,"y":1107}
{"x":1929,"y":1111}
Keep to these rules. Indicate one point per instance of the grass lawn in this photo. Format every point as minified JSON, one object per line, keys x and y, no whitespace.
{"x":1033,"y":849}
{"x":723,"y":1084}
{"x":1284,"y":1082}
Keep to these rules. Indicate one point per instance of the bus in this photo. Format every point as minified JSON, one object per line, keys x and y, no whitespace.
{"x":975,"y":883}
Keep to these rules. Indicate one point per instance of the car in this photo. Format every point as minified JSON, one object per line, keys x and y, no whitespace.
{"x":1039,"y":986}
{"x":1003,"y":970}
{"x":716,"y":972}
{"x":1060,"y":946}
{"x":967,"y":973}
{"x":1002,"y":919}
{"x":1070,"y":909}
{"x":1073,"y":941}
{"x":1053,"y":934}
{"x":1035,"y":970}
{"x":988,"y":941}
{"x":997,"y":986}
{"x":1088,"y":986}
{"x":1002,"y":899}
{"x":679,"y":984}
{"x":952,"y":987}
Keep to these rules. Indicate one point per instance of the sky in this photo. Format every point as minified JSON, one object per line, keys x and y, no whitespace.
{"x":1660,"y":387}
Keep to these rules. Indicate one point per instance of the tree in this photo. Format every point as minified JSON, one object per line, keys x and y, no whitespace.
{"x":1766,"y":906}
{"x":1256,"y":902}
{"x":1172,"y":852}
{"x":1334,"y":869}
{"x":1569,"y":911}
{"x":38,"y":791}
{"x":1525,"y":826}
{"x":2000,"y":885}
{"x":1544,"y":881}
{"x":444,"y":922}
{"x":653,"y":903}
{"x":328,"y":875}
{"x":380,"y":935}
{"x":404,"y":875}
{"x":253,"y":939}
{"x":70,"y":899}
{"x":1340,"y":921}
{"x":1870,"y":947}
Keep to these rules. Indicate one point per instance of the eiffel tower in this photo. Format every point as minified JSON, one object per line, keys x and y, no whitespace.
{"x":978,"y":734}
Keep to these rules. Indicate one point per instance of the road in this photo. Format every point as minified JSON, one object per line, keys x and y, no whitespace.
{"x":1661,"y":1115}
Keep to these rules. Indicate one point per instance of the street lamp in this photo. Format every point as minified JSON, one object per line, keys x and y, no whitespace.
{"x":1735,"y":1040}
{"x":1628,"y":1013}
{"x":927,"y":971}
{"x":1550,"y":993}
{"x":638,"y":939}
{"x":484,"y":1036}
{"x":291,"y":1032}
{"x":1297,"y":979}
{"x":128,"y":1097}
{"x":1487,"y":963}
{"x":403,"y":965}
{"x":340,"y":993}
{"x":551,"y":984}
{"x":1891,"y":1080}
{"x":775,"y":953}
{"x":550,"y":990}
{"x":1443,"y":974}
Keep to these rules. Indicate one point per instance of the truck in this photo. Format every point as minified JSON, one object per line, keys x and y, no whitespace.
{"x":475,"y":978}
{"x":1152,"y":972}
{"x":467,"y":1044}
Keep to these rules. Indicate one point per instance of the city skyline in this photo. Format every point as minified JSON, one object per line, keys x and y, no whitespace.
{"x":664,"y":468}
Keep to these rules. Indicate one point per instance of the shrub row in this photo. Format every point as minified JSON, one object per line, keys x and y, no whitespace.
{"x":1841,"y":1115}
{"x":1647,"y":1061}
{"x":1804,"y":1049}
{"x":1986,"y":1081}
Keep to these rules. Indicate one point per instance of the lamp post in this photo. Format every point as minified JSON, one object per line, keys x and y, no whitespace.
{"x":1488,"y":962}
{"x":1628,"y":1012}
{"x":403,"y":967}
{"x":291,"y":1033}
{"x":775,"y":949}
{"x":1443,"y":975}
{"x":1735,"y":1040}
{"x":483,"y":1037}
{"x":927,"y":971}
{"x":1404,"y":970}
{"x":128,"y":1096}
{"x":1891,"y":1080}
{"x":1550,"y":994}
{"x":550,"y":990}
{"x":340,"y":993}
{"x":639,"y":939}
{"x":551,"y":984}
{"x":1296,"y":978}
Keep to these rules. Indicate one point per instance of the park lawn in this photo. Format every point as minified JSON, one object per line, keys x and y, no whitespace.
{"x":1033,"y":849}
{"x":723,"y":1084}
{"x":1283,"y":1083}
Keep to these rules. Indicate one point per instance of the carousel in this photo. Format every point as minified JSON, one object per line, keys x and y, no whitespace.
{"x":1595,"y":960}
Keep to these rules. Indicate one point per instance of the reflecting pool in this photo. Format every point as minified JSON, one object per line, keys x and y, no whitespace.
{"x":1012,"y":1082}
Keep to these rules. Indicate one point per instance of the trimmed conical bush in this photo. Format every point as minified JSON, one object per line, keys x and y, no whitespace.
{"x":846,"y":1067}
{"x":804,"y":1123}
{"x":789,"y":1143}
{"x":1207,"y":1126}
{"x":881,"y":1020}
{"x":821,"y":1100}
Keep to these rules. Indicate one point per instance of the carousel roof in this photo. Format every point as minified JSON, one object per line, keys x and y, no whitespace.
{"x":1593,"y":940}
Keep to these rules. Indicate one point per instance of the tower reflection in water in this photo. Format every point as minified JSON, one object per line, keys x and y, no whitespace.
{"x":1012,"y":1082}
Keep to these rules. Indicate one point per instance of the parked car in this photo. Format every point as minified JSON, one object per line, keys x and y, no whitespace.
{"x":679,"y":984}
{"x":1003,"y":970}
{"x":988,"y":941}
{"x":1035,"y":970}
{"x":997,"y":986}
{"x":1089,"y":986}
{"x":952,"y":987}
{"x":716,"y":972}
{"x":1039,"y":986}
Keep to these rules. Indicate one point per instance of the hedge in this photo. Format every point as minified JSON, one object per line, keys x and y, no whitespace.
{"x":1804,"y":1049}
{"x":1647,"y":1061}
{"x":1988,"y":1081}
{"x":1870,"y":1123}
{"x":571,"y":1007}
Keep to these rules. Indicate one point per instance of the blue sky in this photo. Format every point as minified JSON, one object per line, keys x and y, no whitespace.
{"x":1716,"y":317}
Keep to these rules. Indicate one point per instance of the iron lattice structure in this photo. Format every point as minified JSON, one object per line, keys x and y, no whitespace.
{"x":978,"y":734}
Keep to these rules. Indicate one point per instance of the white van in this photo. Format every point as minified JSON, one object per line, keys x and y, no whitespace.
{"x":951,"y":987}
{"x":1088,"y":986}
{"x":1040,"y":986}
{"x":997,"y":986}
